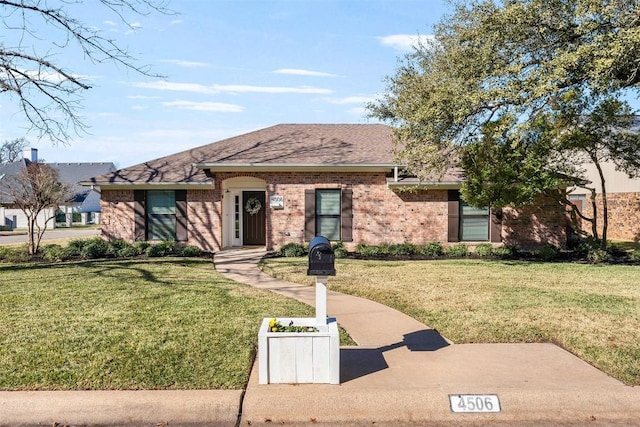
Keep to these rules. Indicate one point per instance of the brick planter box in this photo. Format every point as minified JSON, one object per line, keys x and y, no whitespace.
{"x":299,"y":357}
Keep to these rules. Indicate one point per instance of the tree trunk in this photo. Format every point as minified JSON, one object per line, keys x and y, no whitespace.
{"x":594,"y":206}
{"x":31,"y":222}
{"x":605,"y":209}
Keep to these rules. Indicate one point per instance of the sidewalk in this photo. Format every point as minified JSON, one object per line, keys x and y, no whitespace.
{"x":403,"y":372}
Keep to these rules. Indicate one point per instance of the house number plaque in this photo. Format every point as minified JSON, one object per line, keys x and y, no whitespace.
{"x":471,"y":403}
{"x":276,"y":202}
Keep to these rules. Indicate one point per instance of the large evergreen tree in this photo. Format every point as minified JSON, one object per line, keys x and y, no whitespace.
{"x":519,"y":92}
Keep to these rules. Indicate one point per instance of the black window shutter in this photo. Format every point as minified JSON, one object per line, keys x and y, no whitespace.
{"x":346,"y":216}
{"x":140,"y":215}
{"x":453,"y":234}
{"x":496,"y":225}
{"x":181,"y":216}
{"x":309,"y":214}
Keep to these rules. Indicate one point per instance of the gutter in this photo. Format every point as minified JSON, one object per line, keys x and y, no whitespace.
{"x":295,"y":167}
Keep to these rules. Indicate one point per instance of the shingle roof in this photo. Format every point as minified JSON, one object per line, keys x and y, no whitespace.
{"x":284,"y":145}
{"x":70,"y":173}
{"x":8,"y":170}
{"x":74,"y":173}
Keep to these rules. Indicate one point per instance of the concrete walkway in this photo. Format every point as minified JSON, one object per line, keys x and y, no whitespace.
{"x":401,"y":374}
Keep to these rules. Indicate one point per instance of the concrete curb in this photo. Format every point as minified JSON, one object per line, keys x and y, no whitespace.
{"x":144,"y":408}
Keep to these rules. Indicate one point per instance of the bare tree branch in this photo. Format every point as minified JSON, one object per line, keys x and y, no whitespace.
{"x":48,"y":94}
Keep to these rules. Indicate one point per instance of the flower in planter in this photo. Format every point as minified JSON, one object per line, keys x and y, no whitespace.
{"x":275,"y":326}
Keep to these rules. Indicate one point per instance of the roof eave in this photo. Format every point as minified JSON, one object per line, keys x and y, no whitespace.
{"x":148,"y":185}
{"x":297,"y":167}
{"x":424,"y":185}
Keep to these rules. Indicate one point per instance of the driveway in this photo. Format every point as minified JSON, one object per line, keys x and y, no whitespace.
{"x":57,"y":233}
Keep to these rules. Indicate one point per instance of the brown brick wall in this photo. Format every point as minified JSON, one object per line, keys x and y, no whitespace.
{"x":533,"y":226}
{"x":624,"y":215}
{"x":380,"y":215}
{"x":205,"y":219}
{"x":116,"y":216}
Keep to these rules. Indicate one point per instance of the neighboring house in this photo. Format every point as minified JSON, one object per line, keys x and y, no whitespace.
{"x":84,"y":201}
{"x":623,"y":202}
{"x":290,"y":182}
{"x":623,"y":198}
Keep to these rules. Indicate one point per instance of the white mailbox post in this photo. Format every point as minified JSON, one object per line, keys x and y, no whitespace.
{"x":304,"y":357}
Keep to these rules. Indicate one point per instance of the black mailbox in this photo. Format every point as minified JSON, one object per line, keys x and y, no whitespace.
{"x":321,"y":257}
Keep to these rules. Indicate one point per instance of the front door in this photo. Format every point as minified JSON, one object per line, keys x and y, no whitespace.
{"x":253,"y":218}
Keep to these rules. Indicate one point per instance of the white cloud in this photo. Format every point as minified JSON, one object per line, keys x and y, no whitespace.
{"x":350,"y":100}
{"x":176,"y":21}
{"x":300,"y":72}
{"x":185,"y":64}
{"x":218,"y":107}
{"x":404,"y":42}
{"x":110,"y":23}
{"x":217,"y":89}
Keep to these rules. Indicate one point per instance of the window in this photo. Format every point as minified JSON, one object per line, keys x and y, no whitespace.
{"x":469,"y":224}
{"x":161,"y":215}
{"x":236,"y":216}
{"x":328,"y":214}
{"x":474,"y":223}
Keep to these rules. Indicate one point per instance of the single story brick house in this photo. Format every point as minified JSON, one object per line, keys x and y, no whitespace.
{"x":291,"y":182}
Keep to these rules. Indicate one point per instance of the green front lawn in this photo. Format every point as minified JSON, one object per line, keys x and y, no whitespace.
{"x":591,"y":310}
{"x":134,"y":324}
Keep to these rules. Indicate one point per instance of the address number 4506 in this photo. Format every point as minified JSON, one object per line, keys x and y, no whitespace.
{"x":474,"y":403}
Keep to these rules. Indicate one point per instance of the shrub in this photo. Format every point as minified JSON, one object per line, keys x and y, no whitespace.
{"x":403,"y":249}
{"x":54,"y":253}
{"x":17,"y":255}
{"x":369,"y":251}
{"x":128,"y":251}
{"x":597,"y":255}
{"x":161,"y":249}
{"x":483,"y":249}
{"x":3,"y":252}
{"x":190,"y":251}
{"x":115,"y":246}
{"x":155,"y":251}
{"x":635,"y":255}
{"x":141,"y":247}
{"x":74,"y":247}
{"x":459,"y":250}
{"x":384,"y":249}
{"x":293,"y":250}
{"x":503,"y":251}
{"x":95,"y":248}
{"x":339,"y":250}
{"x":548,"y":253}
{"x":433,"y":249}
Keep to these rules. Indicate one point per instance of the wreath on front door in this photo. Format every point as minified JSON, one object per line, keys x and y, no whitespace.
{"x":253,"y":206}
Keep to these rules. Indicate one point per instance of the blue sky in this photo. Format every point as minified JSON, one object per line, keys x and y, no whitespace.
{"x":232,"y":66}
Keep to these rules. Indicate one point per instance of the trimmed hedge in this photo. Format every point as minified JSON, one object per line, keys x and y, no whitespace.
{"x":95,"y":248}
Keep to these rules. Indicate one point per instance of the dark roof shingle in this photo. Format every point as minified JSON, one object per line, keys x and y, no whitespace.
{"x":285,"y":144}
